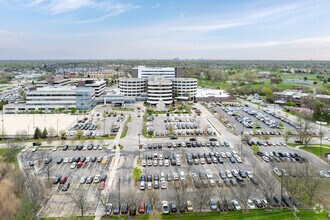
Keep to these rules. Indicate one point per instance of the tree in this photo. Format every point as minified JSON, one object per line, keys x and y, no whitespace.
{"x":52,"y":132}
{"x":153,"y":197}
{"x":79,"y":197}
{"x":107,"y":197}
{"x":179,"y":195}
{"x":286,"y":134}
{"x":255,"y":148}
{"x":79,"y":134}
{"x":170,"y":129}
{"x":44,"y":133}
{"x":132,"y":197}
{"x":137,"y":172}
{"x":268,"y":186}
{"x":201,"y":196}
{"x":73,"y":110}
{"x":306,"y":129}
{"x":244,"y":195}
{"x":62,"y":133}
{"x":37,"y":133}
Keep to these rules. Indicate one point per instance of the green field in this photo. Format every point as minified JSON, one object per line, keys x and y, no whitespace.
{"x":315,"y":149}
{"x":233,"y":215}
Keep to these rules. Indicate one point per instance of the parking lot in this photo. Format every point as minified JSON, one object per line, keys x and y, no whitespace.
{"x":88,"y":173}
{"x":257,"y":122}
{"x":179,"y":125}
{"x":98,"y":124}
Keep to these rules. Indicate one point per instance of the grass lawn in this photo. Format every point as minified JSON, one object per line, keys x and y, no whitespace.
{"x":233,"y":215}
{"x":123,"y":109}
{"x":316,"y":149}
{"x":123,"y":134}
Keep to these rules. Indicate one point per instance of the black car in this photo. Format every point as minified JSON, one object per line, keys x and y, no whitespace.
{"x":74,"y":148}
{"x":31,"y":163}
{"x":182,"y":208}
{"x":132,"y":210}
{"x":173,"y":207}
{"x":90,"y":147}
{"x":221,"y":206}
{"x":93,"y":159}
{"x":59,"y":160}
{"x":65,"y":147}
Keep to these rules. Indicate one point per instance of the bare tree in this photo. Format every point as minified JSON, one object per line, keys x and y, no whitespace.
{"x":79,"y":197}
{"x":107,"y":197}
{"x":153,"y":197}
{"x":35,"y":192}
{"x":268,"y":186}
{"x":201,"y":196}
{"x":179,"y":195}
{"x":306,"y":129}
{"x":51,"y":132}
{"x":132,"y":197}
{"x":244,"y":195}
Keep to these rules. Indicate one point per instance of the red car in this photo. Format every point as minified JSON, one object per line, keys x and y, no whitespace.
{"x":142,"y":208}
{"x":63,"y":180}
{"x":79,"y":164}
{"x":102,"y":185}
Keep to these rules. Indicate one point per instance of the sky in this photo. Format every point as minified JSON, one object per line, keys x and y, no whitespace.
{"x":165,"y":29}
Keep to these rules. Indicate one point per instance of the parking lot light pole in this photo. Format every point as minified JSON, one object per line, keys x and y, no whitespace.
{"x":282,"y":173}
{"x":321,"y":136}
{"x":139,"y":146}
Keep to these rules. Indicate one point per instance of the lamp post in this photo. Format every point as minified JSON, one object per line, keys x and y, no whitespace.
{"x":282,"y":174}
{"x":139,"y":146}
{"x":321,"y":136}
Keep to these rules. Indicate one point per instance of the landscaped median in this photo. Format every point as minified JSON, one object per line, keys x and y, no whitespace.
{"x":277,"y":214}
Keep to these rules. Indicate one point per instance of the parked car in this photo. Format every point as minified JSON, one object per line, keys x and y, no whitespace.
{"x":141,"y":209}
{"x":189,"y":206}
{"x":66,"y":186}
{"x":165,"y":208}
{"x":213,"y":205}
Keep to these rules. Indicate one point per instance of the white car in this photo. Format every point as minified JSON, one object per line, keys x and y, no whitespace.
{"x":236,"y":205}
{"x":223,"y":155}
{"x":149,"y":185}
{"x":182,"y":176}
{"x":166,"y":162}
{"x":34,"y":149}
{"x":163,"y":184}
{"x":265,"y":158}
{"x":228,"y":174}
{"x":208,"y":174}
{"x":175,"y":176}
{"x":25,"y":149}
{"x":97,"y":178}
{"x":54,"y":148}
{"x":66,"y":160}
{"x":100,"y":147}
{"x":88,"y":159}
{"x":277,"y":171}
{"x":249,"y":174}
{"x":73,"y":165}
{"x":85,"y":147}
{"x":142,"y":185}
{"x":250,"y":204}
{"x":165,"y":208}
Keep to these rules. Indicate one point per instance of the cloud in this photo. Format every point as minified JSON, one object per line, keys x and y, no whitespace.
{"x":156,"y":5}
{"x":64,"y":6}
{"x":251,"y":17}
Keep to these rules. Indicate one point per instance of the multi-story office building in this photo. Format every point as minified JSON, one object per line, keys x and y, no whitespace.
{"x":146,"y":72}
{"x":99,"y":86}
{"x":51,"y":97}
{"x":54,"y":98}
{"x":184,"y":88}
{"x":159,"y":90}
{"x":145,"y":89}
{"x":133,"y":87}
{"x":85,"y":98}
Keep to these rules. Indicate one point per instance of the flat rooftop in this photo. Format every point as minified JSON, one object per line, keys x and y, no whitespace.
{"x":211,"y":93}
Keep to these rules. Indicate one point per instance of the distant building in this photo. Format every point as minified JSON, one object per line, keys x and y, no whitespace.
{"x":53,"y":81}
{"x":103,"y":74}
{"x":213,"y":95}
{"x":166,"y":72}
{"x":298,"y":97}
